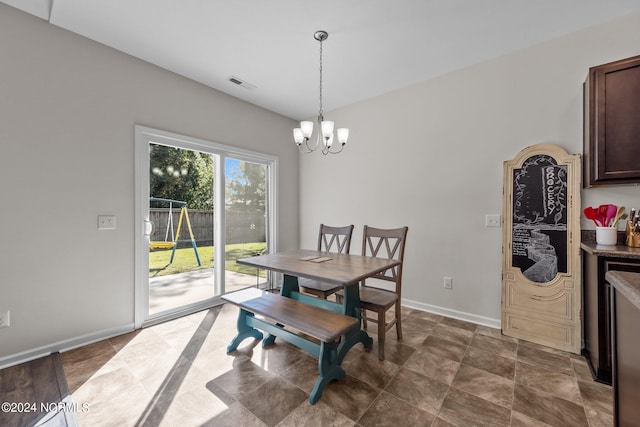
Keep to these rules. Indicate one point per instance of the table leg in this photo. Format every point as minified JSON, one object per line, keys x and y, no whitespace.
{"x":289,"y":284}
{"x":351,"y":307}
{"x":244,"y":331}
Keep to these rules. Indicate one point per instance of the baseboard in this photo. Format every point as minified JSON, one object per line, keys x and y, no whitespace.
{"x":64,"y":345}
{"x":460,"y":315}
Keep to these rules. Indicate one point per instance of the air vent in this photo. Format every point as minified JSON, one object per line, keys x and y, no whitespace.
{"x":241,"y":83}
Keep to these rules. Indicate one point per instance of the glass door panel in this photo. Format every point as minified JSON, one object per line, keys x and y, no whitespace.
{"x":181,"y":184}
{"x":246,"y":220}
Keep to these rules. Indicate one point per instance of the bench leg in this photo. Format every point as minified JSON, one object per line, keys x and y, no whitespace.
{"x":329,"y":370}
{"x":244,"y":331}
{"x":270,"y":339}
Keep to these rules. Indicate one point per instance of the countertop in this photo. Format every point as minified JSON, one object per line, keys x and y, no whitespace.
{"x":618,"y":251}
{"x":627,"y":283}
{"x":588,"y":244}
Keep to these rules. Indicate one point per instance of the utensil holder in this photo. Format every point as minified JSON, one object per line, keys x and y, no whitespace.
{"x":606,"y":236}
{"x":632,"y":239}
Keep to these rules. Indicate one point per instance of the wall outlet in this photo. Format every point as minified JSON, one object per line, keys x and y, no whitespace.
{"x":448,"y":282}
{"x":493,"y":220}
{"x":106,"y":222}
{"x":4,"y":319}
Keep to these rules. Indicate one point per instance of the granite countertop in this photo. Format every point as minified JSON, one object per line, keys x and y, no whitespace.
{"x":617,"y":251}
{"x":627,"y":283}
{"x":620,"y":250}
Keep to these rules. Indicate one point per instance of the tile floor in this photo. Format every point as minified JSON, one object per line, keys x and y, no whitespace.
{"x":445,"y":372}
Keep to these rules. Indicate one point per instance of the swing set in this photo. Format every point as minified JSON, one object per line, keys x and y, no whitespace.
{"x":173,"y":243}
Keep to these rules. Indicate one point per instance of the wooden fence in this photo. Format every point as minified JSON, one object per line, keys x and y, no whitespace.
{"x":242,"y":227}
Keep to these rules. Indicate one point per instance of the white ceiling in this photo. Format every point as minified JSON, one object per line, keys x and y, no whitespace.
{"x":374,"y":46}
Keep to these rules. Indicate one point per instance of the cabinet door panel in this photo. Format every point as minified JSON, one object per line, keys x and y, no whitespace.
{"x":612,"y":123}
{"x":597,"y":314}
{"x":593,"y":314}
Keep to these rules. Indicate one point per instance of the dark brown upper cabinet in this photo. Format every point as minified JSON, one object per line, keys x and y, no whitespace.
{"x":612,"y":123}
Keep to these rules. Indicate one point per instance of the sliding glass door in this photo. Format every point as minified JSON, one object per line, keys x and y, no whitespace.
{"x":200,"y":206}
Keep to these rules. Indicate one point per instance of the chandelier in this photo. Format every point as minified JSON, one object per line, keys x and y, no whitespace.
{"x":324,"y":138}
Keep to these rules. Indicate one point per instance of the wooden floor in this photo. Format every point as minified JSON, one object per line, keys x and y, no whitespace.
{"x":36,"y":394}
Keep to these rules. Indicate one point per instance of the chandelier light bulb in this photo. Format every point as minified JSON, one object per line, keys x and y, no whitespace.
{"x":307,"y":129}
{"x":327,"y":129}
{"x":343,"y":135}
{"x":329,"y":142}
{"x":297,"y":136}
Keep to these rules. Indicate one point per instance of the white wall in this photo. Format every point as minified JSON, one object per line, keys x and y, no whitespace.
{"x":68,"y":107}
{"x":431,"y":155}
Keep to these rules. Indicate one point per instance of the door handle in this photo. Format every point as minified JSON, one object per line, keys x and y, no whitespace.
{"x":148,"y":227}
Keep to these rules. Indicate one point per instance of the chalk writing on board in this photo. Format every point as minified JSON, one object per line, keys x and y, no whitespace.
{"x":539,"y":234}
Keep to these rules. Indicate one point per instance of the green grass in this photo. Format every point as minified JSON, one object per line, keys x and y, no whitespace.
{"x":185,"y":259}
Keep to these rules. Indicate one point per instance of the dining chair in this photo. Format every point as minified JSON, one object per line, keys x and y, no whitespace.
{"x":330,"y":239}
{"x":383,"y":243}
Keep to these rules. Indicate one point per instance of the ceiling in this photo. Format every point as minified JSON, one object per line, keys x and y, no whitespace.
{"x":374,"y":46}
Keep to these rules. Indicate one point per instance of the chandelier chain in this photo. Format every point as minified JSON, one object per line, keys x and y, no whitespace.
{"x":321,"y":112}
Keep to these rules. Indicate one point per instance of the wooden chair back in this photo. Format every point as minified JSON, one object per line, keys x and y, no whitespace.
{"x":330,"y":239}
{"x":386,"y":243}
{"x":335,"y":239}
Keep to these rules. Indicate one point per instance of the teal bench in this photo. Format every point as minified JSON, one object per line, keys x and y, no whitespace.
{"x":282,"y":313}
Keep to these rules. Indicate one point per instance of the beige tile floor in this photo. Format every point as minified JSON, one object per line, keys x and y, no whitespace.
{"x":445,"y":372}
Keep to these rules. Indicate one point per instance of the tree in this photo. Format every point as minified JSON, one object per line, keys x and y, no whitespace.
{"x":245,"y":187}
{"x":181,"y":174}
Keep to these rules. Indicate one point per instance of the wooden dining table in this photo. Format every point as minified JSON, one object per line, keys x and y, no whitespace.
{"x":342,"y":269}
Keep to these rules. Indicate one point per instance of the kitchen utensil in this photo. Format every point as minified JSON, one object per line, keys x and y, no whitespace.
{"x":601,"y":216}
{"x":591,"y":213}
{"x":611,"y":213}
{"x":619,"y":214}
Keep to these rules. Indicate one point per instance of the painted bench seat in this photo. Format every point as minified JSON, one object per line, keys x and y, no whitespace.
{"x":281,"y":312}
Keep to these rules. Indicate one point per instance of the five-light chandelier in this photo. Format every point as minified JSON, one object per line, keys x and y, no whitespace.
{"x":324,"y":138}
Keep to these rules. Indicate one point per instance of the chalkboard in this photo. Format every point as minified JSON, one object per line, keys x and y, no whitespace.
{"x":539,"y":227}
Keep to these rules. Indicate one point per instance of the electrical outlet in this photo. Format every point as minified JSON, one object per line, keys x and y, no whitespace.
{"x":4,"y":320}
{"x":106,"y":222}
{"x":492,"y":220}
{"x":448,"y":282}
